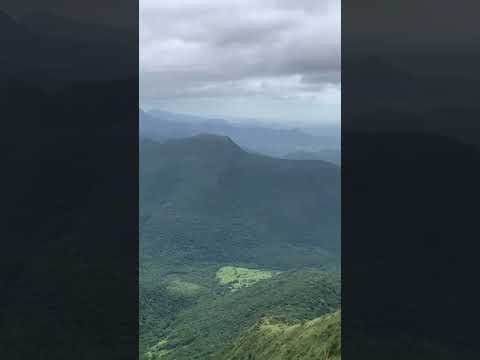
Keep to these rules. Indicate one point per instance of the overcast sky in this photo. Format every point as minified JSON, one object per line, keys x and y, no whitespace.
{"x":263,"y":59}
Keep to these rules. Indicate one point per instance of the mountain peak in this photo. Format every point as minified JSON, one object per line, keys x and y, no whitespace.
{"x":205,"y":145}
{"x":213,"y":138}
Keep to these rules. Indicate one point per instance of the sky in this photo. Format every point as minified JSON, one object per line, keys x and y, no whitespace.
{"x":277,"y":60}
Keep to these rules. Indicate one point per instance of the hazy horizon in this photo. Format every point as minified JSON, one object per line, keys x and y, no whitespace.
{"x":316,"y":129}
{"x":274,"y":61}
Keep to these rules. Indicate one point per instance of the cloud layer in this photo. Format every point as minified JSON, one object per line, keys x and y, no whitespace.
{"x":217,"y":49}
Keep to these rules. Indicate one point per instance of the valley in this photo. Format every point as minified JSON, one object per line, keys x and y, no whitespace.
{"x":230,"y":241}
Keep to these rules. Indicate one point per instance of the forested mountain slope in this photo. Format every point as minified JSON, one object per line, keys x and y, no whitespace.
{"x":271,"y":339}
{"x":216,"y":321}
{"x":205,"y":199}
{"x":228,"y":238}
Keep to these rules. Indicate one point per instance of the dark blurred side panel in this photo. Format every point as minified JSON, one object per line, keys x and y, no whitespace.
{"x":69,"y":233}
{"x":410,"y":180}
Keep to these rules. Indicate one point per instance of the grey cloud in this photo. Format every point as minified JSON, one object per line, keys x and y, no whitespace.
{"x":304,"y":5}
{"x":217,"y":48}
{"x":322,"y":78}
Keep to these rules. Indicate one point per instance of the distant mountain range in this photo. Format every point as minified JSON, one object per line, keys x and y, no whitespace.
{"x":161,"y":125}
{"x":333,"y":156}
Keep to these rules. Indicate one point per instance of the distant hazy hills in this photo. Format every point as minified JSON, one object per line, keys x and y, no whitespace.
{"x":331,"y":155}
{"x":205,"y":198}
{"x":161,"y":125}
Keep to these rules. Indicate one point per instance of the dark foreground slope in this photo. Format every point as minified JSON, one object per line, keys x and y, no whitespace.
{"x":205,"y":199}
{"x":413,"y":250}
{"x":68,"y":279}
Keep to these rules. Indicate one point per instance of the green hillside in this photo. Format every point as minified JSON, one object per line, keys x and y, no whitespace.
{"x":205,"y":199}
{"x":228,"y":238}
{"x":270,"y":339}
{"x":203,"y":330}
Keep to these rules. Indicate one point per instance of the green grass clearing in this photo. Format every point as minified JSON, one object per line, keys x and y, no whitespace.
{"x":238,"y":277}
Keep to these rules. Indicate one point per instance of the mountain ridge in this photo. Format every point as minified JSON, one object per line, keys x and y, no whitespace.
{"x":255,"y":137}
